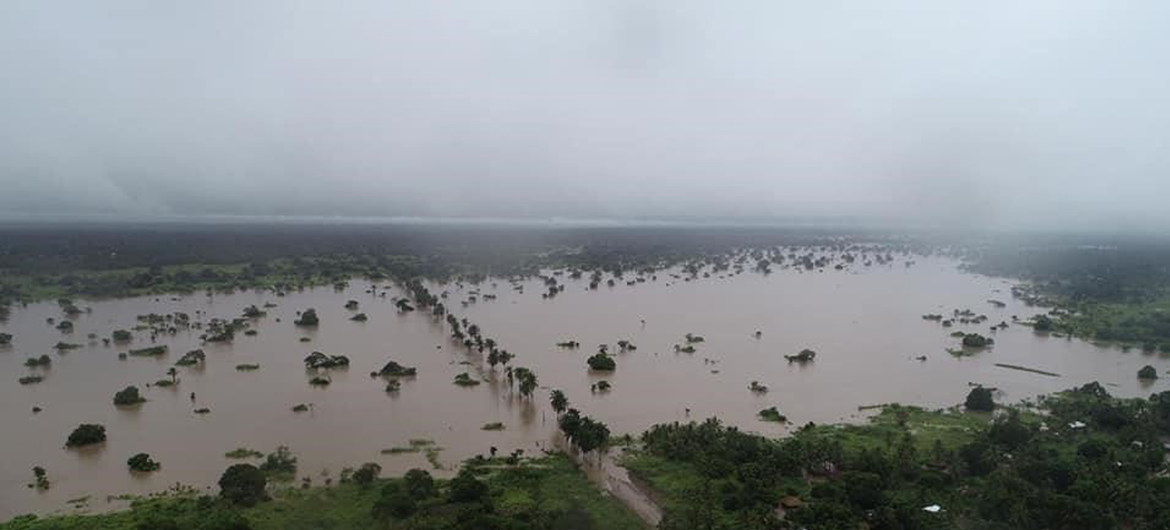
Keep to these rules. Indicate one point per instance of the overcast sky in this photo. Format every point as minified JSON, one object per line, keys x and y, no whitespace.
{"x":995,"y":113}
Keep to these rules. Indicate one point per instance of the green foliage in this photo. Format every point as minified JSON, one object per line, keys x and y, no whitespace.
{"x":121,"y":335}
{"x":308,"y":318}
{"x":35,"y":362}
{"x":86,"y":434}
{"x":192,"y":357}
{"x":526,"y":379}
{"x":142,"y":462}
{"x":243,"y":484}
{"x":465,"y":487}
{"x":980,"y":399}
{"x":419,"y":484}
{"x":128,"y":396}
{"x":548,"y":493}
{"x":583,"y":432}
{"x":465,"y":379}
{"x":772,"y":414}
{"x":804,"y":356}
{"x":393,"y":369}
{"x":280,"y":464}
{"x":558,"y":401}
{"x":152,"y":351}
{"x":243,"y":452}
{"x":1097,"y":463}
{"x":317,"y":360}
{"x":601,"y":362}
{"x":975,"y":340}
{"x":367,"y":473}
{"x":394,"y":502}
{"x":1147,"y":372}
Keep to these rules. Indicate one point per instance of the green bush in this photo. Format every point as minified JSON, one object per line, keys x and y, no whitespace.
{"x":86,"y":434}
{"x":980,"y":399}
{"x":128,"y":396}
{"x":367,"y":473}
{"x":243,"y":484}
{"x":602,"y":363}
{"x":142,"y":462}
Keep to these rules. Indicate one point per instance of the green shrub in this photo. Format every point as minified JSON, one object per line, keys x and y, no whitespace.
{"x":142,"y":462}
{"x":86,"y":434}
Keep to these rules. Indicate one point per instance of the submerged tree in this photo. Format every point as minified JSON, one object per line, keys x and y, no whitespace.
{"x":128,"y":396}
{"x":42,"y":480}
{"x":559,"y":401}
{"x":804,"y":356}
{"x":602,"y":363}
{"x":975,"y":340}
{"x":527,"y":379}
{"x":142,"y":462}
{"x":308,"y":318}
{"x":86,"y":434}
{"x":393,"y":369}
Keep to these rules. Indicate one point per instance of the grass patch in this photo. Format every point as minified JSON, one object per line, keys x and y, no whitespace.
{"x":550,"y":489}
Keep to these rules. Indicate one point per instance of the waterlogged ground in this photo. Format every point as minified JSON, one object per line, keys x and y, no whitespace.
{"x":865,"y":325}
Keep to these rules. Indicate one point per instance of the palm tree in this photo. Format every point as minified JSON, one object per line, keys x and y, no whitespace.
{"x":527,"y":381}
{"x":559,"y":401}
{"x":173,"y":373}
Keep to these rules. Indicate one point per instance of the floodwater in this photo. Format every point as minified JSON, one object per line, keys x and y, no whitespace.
{"x":865,"y":325}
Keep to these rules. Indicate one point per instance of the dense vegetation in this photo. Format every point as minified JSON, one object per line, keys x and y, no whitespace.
{"x":86,"y":434}
{"x":1081,"y":459}
{"x":544,"y":493}
{"x":1114,"y":289}
{"x":1103,"y":288}
{"x":52,"y":261}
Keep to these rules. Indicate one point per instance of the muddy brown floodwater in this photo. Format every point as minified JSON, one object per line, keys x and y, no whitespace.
{"x":865,"y":325}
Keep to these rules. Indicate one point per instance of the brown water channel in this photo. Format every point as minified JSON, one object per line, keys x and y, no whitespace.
{"x":865,"y":325}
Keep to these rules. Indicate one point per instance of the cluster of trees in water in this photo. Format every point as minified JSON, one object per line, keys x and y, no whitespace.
{"x":1084,"y":460}
{"x":119,"y":260}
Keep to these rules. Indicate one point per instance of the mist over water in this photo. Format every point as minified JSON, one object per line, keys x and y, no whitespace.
{"x":973,"y":114}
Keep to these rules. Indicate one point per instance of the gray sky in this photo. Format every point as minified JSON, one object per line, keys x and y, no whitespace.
{"x":989,"y":112}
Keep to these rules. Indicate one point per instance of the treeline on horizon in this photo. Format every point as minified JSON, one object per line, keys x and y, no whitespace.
{"x":111,"y":259}
{"x":121,"y":260}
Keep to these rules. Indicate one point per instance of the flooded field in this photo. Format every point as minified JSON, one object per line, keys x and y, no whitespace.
{"x":865,"y":325}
